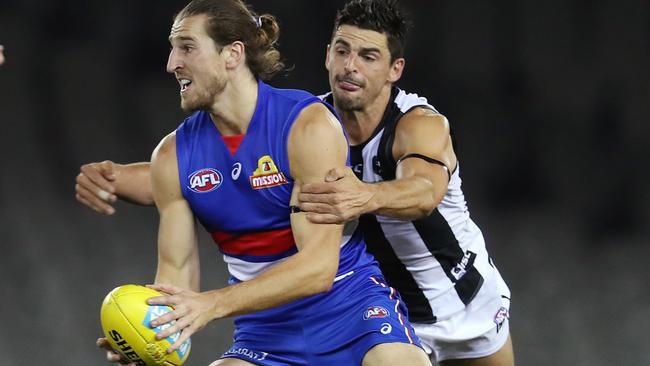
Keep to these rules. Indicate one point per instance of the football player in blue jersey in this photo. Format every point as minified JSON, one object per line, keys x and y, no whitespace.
{"x":301,"y":293}
{"x":413,"y":216}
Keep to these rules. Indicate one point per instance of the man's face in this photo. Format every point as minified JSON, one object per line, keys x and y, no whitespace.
{"x":358,"y":61}
{"x":196,"y":63}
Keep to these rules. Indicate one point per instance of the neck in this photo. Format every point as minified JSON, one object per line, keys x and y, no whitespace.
{"x":233,"y":109}
{"x":360,"y":124}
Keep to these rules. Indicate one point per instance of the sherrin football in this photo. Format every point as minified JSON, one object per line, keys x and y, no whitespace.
{"x":126,"y":318}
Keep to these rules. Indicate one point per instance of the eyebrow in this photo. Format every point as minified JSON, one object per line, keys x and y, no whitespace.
{"x":362,"y":50}
{"x":181,"y":38}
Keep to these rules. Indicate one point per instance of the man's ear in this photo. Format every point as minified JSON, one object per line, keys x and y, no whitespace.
{"x":235,"y":54}
{"x":396,"y":70}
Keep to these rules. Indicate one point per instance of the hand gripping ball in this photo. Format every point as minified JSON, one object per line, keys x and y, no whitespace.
{"x":126,"y":317}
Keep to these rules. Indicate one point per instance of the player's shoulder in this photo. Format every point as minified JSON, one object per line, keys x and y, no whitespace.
{"x":292,"y":95}
{"x":166,"y":148}
{"x":422,"y":117}
{"x":315,"y":119}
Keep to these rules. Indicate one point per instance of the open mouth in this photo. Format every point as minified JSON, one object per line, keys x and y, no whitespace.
{"x":348,"y":84}
{"x":185,"y":84}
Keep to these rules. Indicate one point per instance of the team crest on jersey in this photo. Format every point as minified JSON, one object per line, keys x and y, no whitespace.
{"x":375,"y":312}
{"x":266,"y":175}
{"x":205,"y":180}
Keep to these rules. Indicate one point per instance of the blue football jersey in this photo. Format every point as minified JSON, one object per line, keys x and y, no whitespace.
{"x":242,"y":200}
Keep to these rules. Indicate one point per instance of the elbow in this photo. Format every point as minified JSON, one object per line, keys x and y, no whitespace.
{"x":427,"y":207}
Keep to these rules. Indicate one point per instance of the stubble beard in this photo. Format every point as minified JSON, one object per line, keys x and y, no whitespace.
{"x":204,"y":100}
{"x":346,"y":104}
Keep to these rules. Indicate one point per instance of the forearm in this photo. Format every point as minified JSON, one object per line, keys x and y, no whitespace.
{"x":133,"y":183}
{"x":186,"y":276}
{"x":404,"y":199}
{"x":293,"y":279}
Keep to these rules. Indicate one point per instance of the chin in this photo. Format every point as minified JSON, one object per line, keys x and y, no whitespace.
{"x":189,"y":106}
{"x":348,"y":104}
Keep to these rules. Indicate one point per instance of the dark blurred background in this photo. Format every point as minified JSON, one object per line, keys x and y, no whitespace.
{"x":549,"y":102}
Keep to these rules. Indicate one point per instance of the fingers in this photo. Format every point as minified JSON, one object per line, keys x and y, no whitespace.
{"x":167,"y":318}
{"x":95,"y":187}
{"x":321,"y":208}
{"x":321,"y":187}
{"x":111,"y":355}
{"x":177,"y":324}
{"x":325,"y":218}
{"x":327,"y":198}
{"x":169,"y":289}
{"x":185,"y":335}
{"x":87,"y":198}
{"x":337,"y":173}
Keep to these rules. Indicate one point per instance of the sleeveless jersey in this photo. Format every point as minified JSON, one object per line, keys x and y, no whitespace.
{"x":242,"y":200}
{"x":438,"y":263}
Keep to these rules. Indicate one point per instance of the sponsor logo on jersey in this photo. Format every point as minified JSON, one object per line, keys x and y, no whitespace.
{"x":465,"y":263}
{"x":153,"y":312}
{"x":252,"y":354}
{"x":205,"y":180}
{"x":266,"y":175}
{"x":375,"y":312}
{"x":236,"y":170}
{"x":501,"y":317}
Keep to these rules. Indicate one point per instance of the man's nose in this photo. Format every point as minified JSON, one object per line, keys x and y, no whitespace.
{"x":173,"y":62}
{"x":351,"y":62}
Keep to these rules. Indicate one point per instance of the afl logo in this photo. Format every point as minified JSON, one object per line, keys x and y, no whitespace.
{"x":375,"y":312}
{"x":205,"y":180}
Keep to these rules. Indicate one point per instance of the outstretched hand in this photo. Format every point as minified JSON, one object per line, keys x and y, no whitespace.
{"x":192,"y":311}
{"x":95,"y":186}
{"x":341,"y":198}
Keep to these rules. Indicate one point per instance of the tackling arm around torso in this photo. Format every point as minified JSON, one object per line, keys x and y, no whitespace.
{"x":425,"y":160}
{"x":425,"y":157}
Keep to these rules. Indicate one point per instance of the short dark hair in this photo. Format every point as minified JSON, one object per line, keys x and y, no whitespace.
{"x":232,"y":20}
{"x":383,"y":16}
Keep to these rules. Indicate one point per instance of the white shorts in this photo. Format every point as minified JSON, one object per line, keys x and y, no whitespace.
{"x":480,"y":330}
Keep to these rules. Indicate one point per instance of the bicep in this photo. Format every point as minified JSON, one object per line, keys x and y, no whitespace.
{"x":316,"y":145}
{"x":423,"y":148}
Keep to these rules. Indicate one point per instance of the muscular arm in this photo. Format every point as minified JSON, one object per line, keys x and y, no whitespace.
{"x":418,"y":188}
{"x":178,"y":256}
{"x":315,"y":137}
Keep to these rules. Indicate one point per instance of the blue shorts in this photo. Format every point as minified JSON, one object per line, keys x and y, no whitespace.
{"x":334,"y":328}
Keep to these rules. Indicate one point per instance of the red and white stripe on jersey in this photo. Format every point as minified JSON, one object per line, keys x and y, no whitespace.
{"x":400,"y":316}
{"x":260,"y":243}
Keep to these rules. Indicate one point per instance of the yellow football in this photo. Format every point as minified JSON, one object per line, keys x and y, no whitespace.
{"x":126,"y":318}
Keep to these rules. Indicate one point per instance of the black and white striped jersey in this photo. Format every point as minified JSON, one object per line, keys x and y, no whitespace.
{"x":438,"y":263}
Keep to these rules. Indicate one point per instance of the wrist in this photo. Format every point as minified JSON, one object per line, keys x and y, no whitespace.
{"x":374,"y":203}
{"x":219,"y":309}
